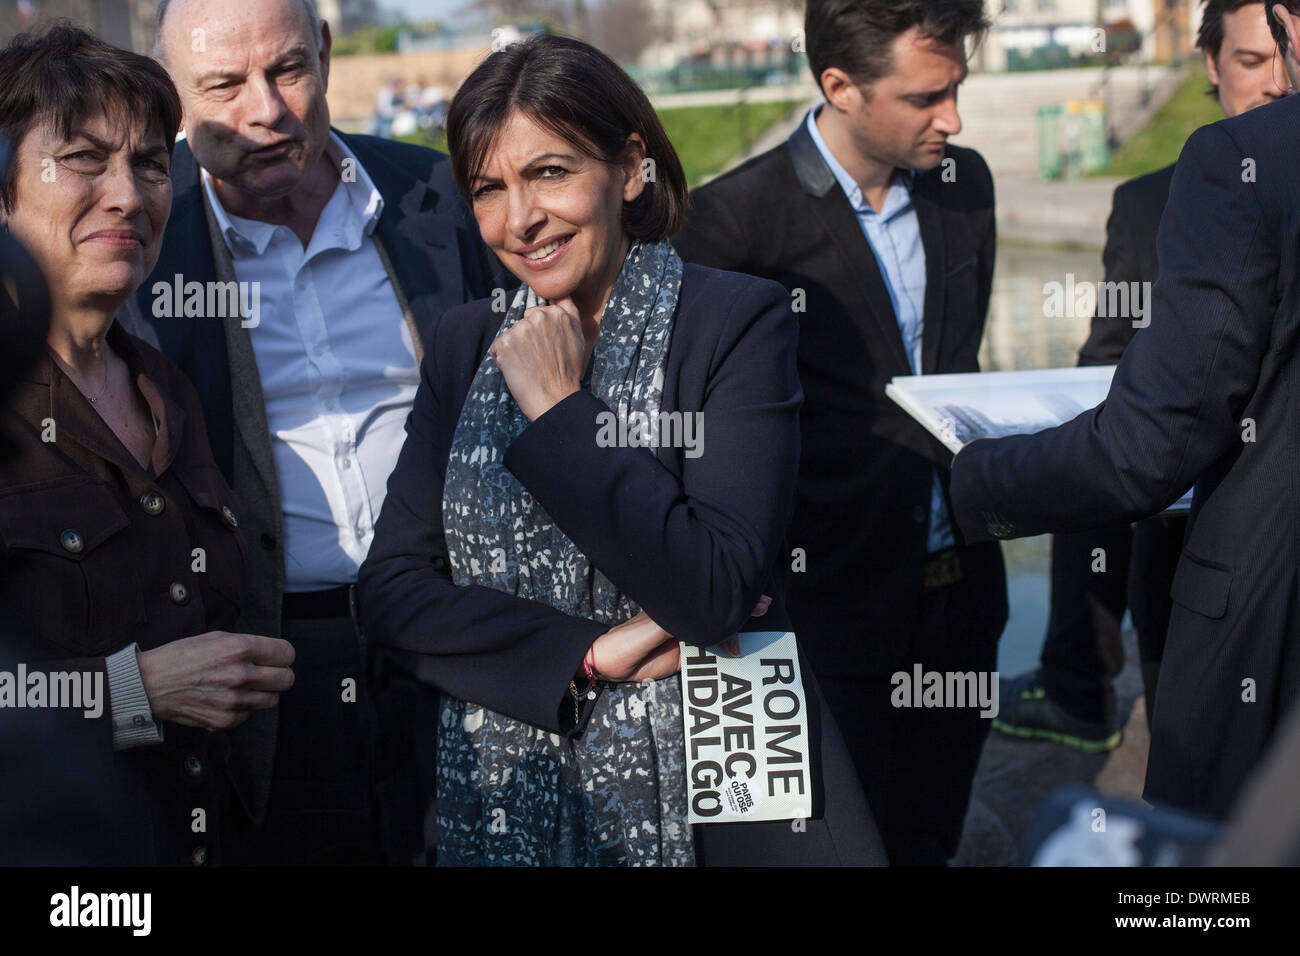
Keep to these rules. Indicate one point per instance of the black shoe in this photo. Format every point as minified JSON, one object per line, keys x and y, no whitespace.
{"x":1025,"y":710}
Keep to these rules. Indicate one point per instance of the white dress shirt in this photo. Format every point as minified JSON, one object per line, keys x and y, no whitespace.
{"x":338,"y":372}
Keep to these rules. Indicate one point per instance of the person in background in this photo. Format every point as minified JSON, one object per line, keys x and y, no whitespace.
{"x":348,"y":248}
{"x":1207,"y":397}
{"x":120,"y":543}
{"x":388,"y":103}
{"x":884,"y":235}
{"x":1070,"y":698}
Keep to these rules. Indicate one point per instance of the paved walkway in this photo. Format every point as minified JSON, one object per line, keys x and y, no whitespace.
{"x":1000,"y":110}
{"x":754,"y":94}
{"x":1015,"y":776}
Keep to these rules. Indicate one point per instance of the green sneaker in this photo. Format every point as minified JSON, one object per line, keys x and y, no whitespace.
{"x":1025,"y":710}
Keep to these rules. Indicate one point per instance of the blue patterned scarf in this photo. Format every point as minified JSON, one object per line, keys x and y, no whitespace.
{"x":510,"y":793}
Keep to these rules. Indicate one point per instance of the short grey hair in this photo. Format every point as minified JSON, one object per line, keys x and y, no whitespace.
{"x":309,"y":6}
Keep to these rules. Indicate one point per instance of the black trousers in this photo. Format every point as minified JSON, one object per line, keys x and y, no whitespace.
{"x":1083,"y":651}
{"x":917,"y":763}
{"x":322,"y":807}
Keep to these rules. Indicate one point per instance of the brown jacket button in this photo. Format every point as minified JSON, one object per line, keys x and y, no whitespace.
{"x":72,"y":542}
{"x":229,"y":518}
{"x":200,"y":856}
{"x":180,"y":593}
{"x":193,"y":766}
{"x":152,"y":503}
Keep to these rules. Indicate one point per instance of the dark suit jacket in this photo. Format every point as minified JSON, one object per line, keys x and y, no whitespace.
{"x":692,"y":540}
{"x":435,"y":260}
{"x":1129,"y":256}
{"x":863,"y":504}
{"x":1221,"y":348}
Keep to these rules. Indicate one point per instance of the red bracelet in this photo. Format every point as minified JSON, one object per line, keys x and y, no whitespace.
{"x":589,"y":663}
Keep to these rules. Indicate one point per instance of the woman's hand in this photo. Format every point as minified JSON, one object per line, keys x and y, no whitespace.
{"x":636,"y":650}
{"x":215,"y":680}
{"x":542,"y":357}
{"x":639,"y":649}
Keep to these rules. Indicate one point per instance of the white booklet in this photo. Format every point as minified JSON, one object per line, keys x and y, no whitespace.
{"x":746,"y":725}
{"x":960,"y":408}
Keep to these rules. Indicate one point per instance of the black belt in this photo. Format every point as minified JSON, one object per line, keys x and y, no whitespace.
{"x":942,"y":569}
{"x":332,"y":603}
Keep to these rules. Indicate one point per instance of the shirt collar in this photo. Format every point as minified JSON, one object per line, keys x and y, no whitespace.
{"x":902,"y":177}
{"x":360,"y":212}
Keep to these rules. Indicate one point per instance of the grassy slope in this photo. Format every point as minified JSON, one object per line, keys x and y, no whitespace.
{"x":1158,"y":143}
{"x":707,"y":138}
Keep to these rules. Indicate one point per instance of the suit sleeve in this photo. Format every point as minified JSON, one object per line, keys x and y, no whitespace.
{"x":1109,"y":335}
{"x":1176,"y":401}
{"x":693,"y":552}
{"x":712,"y":237}
{"x":506,"y":653}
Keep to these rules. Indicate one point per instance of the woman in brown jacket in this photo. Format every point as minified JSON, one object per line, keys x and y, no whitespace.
{"x":121,"y":556}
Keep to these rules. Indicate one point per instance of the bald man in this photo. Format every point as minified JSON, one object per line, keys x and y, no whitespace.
{"x":343,"y":249}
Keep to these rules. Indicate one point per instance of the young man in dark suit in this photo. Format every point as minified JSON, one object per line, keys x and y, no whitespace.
{"x":347,"y":249}
{"x":1208,"y":395}
{"x":885,"y":237}
{"x":1069,"y":698}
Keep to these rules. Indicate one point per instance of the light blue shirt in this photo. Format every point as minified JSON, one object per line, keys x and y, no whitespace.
{"x":894,"y":235}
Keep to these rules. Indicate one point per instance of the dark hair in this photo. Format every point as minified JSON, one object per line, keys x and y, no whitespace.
{"x":856,"y":35}
{"x":577,"y":92}
{"x":64,"y":75}
{"x":1209,"y":38}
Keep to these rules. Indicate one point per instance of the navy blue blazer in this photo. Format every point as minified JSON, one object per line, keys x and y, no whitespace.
{"x":1208,"y":394}
{"x":692,"y":540}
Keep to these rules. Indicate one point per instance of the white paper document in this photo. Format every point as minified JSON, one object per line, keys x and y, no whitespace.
{"x":960,"y":408}
{"x":746,"y":725}
{"x":957,"y":409}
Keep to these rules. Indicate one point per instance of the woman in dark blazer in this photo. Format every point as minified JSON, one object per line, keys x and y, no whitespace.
{"x":528,"y":548}
{"x":121,"y":557}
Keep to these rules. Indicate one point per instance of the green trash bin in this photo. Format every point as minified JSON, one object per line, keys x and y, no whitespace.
{"x":1094,"y":151}
{"x":1050,"y":160}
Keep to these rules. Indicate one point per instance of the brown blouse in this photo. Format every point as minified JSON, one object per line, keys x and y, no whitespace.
{"x":97,"y":552}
